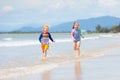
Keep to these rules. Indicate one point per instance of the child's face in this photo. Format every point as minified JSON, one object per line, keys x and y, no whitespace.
{"x":45,"y":29}
{"x":76,"y":26}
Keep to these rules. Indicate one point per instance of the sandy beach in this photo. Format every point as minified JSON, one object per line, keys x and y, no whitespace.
{"x":105,"y":67}
{"x":59,"y":40}
{"x":99,"y":59}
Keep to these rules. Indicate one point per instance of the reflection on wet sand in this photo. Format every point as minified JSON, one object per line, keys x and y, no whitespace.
{"x":78,"y":72}
{"x":46,"y":75}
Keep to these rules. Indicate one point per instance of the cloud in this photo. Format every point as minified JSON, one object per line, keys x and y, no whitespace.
{"x":61,"y":4}
{"x":6,"y":9}
{"x":25,"y":11}
{"x":47,"y":6}
{"x":108,"y":3}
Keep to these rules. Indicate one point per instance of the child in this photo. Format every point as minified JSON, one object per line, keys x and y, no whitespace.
{"x":76,"y":37}
{"x":44,"y":40}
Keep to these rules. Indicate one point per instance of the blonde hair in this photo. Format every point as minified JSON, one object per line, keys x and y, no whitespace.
{"x":45,"y":25}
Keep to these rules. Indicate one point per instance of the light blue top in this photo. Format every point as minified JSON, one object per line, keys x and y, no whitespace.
{"x":77,"y":34}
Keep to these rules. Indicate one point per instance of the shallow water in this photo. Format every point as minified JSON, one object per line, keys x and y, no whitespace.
{"x":21,"y":56}
{"x":104,"y":67}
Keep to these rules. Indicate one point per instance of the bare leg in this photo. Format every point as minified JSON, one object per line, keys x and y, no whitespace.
{"x":45,"y":54}
{"x":43,"y":51}
{"x":78,"y":48}
{"x":75,"y":45}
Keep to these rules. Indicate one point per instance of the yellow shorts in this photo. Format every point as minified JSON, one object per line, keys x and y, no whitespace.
{"x":44,"y":46}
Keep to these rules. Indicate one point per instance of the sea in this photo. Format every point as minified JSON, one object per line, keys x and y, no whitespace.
{"x":21,"y":55}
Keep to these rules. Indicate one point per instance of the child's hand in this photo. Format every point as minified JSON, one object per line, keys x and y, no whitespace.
{"x":53,"y":41}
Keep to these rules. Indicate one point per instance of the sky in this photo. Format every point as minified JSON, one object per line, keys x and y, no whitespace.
{"x":14,"y":13}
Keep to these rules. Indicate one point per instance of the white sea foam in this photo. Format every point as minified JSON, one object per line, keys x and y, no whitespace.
{"x":18,"y":43}
{"x":26,"y":42}
{"x":107,"y":35}
{"x":9,"y":42}
{"x":91,"y":38}
{"x":22,"y":71}
{"x":69,"y":40}
{"x":7,"y":39}
{"x":110,"y":35}
{"x":63,"y":40}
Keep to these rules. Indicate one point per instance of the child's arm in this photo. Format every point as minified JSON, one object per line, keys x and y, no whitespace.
{"x":40,"y":37}
{"x":72,"y":35}
{"x":81,"y":33}
{"x":51,"y":37}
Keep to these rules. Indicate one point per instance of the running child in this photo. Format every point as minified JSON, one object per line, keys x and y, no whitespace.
{"x":44,"y":40}
{"x":76,"y":37}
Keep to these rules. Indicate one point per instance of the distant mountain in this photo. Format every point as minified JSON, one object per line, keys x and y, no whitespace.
{"x":88,"y":24}
{"x":5,"y":28}
{"x":85,"y":24}
{"x":28,"y":29}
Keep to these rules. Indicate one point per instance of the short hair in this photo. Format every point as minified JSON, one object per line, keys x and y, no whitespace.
{"x":45,"y":25}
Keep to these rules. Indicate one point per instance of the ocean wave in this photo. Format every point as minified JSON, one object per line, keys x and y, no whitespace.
{"x":7,"y":39}
{"x":110,"y":35}
{"x":18,"y":43}
{"x":12,"y":43}
{"x":63,"y":40}
{"x":26,"y":42}
{"x":107,"y":35}
{"x":91,"y":38}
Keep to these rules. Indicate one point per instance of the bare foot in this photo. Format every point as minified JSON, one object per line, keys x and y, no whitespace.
{"x":44,"y":58}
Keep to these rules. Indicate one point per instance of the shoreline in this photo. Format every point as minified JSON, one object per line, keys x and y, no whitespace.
{"x":92,"y":69}
{"x":21,"y":62}
{"x":59,"y":61}
{"x":53,"y":32}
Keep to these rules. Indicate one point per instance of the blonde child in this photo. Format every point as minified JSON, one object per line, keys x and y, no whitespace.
{"x":44,"y":40}
{"x":76,"y":37}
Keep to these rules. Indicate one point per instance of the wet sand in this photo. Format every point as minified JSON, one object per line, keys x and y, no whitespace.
{"x":104,"y":67}
{"x":99,"y":60}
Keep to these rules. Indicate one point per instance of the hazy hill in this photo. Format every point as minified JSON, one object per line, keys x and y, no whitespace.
{"x":85,"y":24}
{"x":88,"y":24}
